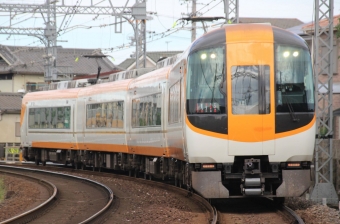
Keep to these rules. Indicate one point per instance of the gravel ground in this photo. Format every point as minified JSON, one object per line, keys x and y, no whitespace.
{"x":313,"y":213}
{"x":144,"y":204}
{"x":21,"y":195}
{"x":157,"y":205}
{"x":138,"y":203}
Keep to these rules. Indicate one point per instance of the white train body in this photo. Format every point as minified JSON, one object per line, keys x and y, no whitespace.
{"x":208,"y":127}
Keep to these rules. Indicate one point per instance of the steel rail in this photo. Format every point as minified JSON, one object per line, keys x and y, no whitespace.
{"x":212,"y":210}
{"x":292,"y":214}
{"x":30,"y":212}
{"x":111,"y":196}
{"x":296,"y":216}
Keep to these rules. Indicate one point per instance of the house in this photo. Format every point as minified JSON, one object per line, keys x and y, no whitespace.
{"x":10,"y":107}
{"x":22,"y":68}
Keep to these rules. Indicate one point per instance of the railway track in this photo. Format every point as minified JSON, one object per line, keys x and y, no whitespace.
{"x":49,"y":193}
{"x":139,"y":200}
{"x":254,"y":210}
{"x":257,"y":210}
{"x":75,"y":199}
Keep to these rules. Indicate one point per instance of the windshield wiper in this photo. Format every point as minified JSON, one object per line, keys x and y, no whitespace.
{"x":290,"y":107}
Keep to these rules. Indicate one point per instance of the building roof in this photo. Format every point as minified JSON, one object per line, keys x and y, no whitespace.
{"x":69,"y":60}
{"x":154,"y":56}
{"x":283,"y":23}
{"x":323,"y":23}
{"x":10,"y":102}
{"x":298,"y":29}
{"x":127,"y":63}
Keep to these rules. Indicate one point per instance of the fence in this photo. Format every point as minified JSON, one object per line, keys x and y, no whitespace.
{"x":12,"y":152}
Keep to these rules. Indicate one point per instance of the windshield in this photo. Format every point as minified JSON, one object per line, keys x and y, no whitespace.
{"x":205,"y":82}
{"x":294,"y":80}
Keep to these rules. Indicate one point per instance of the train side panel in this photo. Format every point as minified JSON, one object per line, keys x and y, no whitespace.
{"x":146,"y":95}
{"x":174,"y":122}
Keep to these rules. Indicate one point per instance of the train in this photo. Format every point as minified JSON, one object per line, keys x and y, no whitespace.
{"x":232,"y":116}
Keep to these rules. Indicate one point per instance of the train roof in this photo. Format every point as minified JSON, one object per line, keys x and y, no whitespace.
{"x":121,"y":85}
{"x":156,"y":75}
{"x":51,"y":95}
{"x":114,"y":86}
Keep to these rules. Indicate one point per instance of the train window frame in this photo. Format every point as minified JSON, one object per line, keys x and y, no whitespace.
{"x":137,"y":115}
{"x":294,"y":85}
{"x":212,"y":104}
{"x":40,"y":120}
{"x":99,"y":121}
{"x":174,"y":109}
{"x":246,"y":105}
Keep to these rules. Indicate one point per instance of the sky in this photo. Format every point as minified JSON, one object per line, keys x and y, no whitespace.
{"x":165,"y":29}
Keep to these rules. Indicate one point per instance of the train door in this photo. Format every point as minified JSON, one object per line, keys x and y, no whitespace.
{"x":251,"y":113}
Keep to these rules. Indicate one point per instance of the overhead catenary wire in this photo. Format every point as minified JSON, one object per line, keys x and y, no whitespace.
{"x":169,"y":32}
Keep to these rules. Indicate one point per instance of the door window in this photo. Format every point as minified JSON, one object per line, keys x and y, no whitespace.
{"x":250,"y":89}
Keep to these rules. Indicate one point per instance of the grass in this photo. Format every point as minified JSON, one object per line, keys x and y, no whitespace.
{"x":2,"y":190}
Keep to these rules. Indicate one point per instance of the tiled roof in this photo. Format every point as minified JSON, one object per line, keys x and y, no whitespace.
{"x":283,"y":23}
{"x":10,"y":102}
{"x":127,"y":63}
{"x":153,"y":55}
{"x":30,"y":60}
{"x":322,"y":23}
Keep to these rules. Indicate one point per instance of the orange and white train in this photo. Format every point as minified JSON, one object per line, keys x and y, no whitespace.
{"x":232,"y":116}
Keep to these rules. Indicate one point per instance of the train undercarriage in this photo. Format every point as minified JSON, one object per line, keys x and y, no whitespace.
{"x":245,"y":177}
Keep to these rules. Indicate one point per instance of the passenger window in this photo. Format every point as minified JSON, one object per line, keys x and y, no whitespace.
{"x":175,"y":103}
{"x":146,"y":111}
{"x":49,"y":118}
{"x":105,"y":115}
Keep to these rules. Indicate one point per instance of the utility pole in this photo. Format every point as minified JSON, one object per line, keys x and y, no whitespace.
{"x":167,"y":42}
{"x":193,"y":28}
{"x":231,"y":10}
{"x":323,"y":39}
{"x":136,"y":15}
{"x":50,"y":35}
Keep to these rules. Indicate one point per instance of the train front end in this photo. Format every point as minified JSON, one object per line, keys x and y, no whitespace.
{"x":250,"y":112}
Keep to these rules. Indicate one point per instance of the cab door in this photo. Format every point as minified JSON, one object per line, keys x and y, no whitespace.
{"x":251,"y":113}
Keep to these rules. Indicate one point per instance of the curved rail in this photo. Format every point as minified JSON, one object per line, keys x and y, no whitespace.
{"x":215,"y":216}
{"x":28,"y":213}
{"x":111,"y":197}
{"x":296,"y":216}
{"x":291,"y":213}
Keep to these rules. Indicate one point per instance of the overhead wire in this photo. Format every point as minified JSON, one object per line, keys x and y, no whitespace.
{"x":163,"y":34}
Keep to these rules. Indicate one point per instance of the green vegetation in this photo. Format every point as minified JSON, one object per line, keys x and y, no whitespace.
{"x":337,"y":29}
{"x":2,"y":190}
